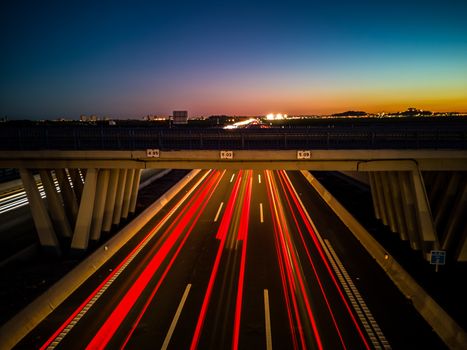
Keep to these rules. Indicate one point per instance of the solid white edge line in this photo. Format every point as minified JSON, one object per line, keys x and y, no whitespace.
{"x":218,"y":211}
{"x":231,"y":179}
{"x":176,"y":317}
{"x":261,"y":212}
{"x":267,"y":320}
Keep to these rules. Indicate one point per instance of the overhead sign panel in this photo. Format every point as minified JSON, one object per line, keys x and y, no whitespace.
{"x":303,"y":154}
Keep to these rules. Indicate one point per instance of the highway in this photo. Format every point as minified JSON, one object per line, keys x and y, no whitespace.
{"x":234,"y":261}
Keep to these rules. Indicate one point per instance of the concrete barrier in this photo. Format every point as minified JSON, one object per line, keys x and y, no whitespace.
{"x":27,"y":319}
{"x":446,"y":328}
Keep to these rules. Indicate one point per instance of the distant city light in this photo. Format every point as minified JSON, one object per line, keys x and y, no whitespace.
{"x":241,"y":124}
{"x":278,"y":116}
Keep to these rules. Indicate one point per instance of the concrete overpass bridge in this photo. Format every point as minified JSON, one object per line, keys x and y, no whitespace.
{"x":417,"y":172}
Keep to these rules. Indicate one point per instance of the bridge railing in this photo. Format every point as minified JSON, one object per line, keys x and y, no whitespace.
{"x":134,"y":138}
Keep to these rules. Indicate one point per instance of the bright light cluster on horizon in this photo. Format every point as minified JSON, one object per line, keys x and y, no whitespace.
{"x":278,"y":116}
{"x":241,"y":124}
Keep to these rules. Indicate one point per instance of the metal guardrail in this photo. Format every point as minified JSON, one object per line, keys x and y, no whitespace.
{"x":134,"y":138}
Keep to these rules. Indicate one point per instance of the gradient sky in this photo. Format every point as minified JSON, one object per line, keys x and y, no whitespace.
{"x":133,"y":58}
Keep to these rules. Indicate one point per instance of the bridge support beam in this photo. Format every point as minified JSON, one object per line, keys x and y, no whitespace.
{"x":77,"y":182}
{"x":462,"y":250}
{"x":107,"y":196}
{"x":457,"y":224}
{"x":380,"y":197}
{"x":83,"y":223}
{"x":69,"y":198}
{"x":134,"y":190}
{"x":401,"y":202}
{"x":99,"y":204}
{"x":110,"y":200}
{"x":388,"y":201}
{"x":425,"y":220}
{"x":41,"y":217}
{"x":397,"y":204}
{"x":409,"y":211}
{"x":449,"y":195}
{"x":127,"y":193}
{"x":117,"y":215}
{"x":57,"y":211}
{"x":374,"y":195}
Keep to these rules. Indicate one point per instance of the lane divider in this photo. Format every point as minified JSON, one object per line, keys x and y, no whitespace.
{"x":218,"y":212}
{"x":261,"y":218}
{"x":165,"y":345}
{"x":267,"y":321}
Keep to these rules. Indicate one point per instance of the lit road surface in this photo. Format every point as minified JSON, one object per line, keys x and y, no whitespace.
{"x":234,"y":261}
{"x":16,"y":197}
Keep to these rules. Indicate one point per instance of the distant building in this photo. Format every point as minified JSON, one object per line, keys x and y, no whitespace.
{"x":180,"y":117}
{"x":91,"y":118}
{"x":155,"y":117}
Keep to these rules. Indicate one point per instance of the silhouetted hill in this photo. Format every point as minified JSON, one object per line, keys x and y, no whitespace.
{"x":350,"y":114}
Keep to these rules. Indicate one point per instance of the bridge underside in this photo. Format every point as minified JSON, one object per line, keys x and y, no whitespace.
{"x":419,"y":194}
{"x":80,"y":203}
{"x":427,"y":209}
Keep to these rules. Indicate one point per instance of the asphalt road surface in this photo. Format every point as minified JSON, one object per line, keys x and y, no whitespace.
{"x":239,"y":259}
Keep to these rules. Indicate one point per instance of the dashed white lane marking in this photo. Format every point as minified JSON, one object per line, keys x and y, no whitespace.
{"x":176,"y":317}
{"x":259,"y":178}
{"x":267,"y":320}
{"x":231,"y":179}
{"x":218,"y":211}
{"x":261,"y":218}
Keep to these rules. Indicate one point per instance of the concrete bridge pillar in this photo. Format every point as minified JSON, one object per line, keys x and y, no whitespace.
{"x":134,"y":190}
{"x":69,"y":198}
{"x":388,"y":201}
{"x":127,"y":193}
{"x":457,"y":219}
{"x":117,"y":215}
{"x":110,"y":200}
{"x":400,"y":200}
{"x":380,"y":196}
{"x":99,"y":204}
{"x":83,"y":222}
{"x":55,"y":205}
{"x":41,"y":217}
{"x":409,"y":210}
{"x":77,"y":182}
{"x":374,"y":195}
{"x":424,"y":217}
{"x":398,"y":205}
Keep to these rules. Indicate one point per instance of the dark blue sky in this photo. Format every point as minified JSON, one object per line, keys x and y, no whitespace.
{"x":129,"y":59}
